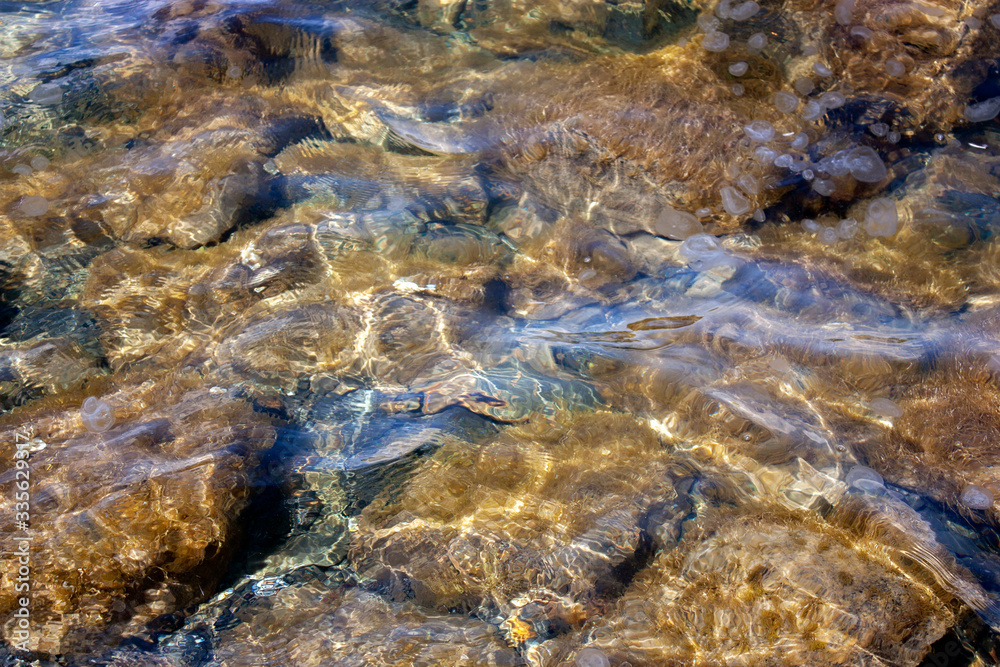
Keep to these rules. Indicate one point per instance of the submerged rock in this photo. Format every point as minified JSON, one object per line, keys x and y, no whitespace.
{"x":311,"y":623}
{"x":502,"y":526}
{"x":770,"y":584}
{"x":135,"y":521}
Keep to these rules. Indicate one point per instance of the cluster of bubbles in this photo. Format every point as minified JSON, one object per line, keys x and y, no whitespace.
{"x":881,"y":219}
{"x":786,"y":150}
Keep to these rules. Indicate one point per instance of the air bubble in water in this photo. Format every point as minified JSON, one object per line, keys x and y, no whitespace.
{"x":734,"y":202}
{"x":760,"y":131}
{"x":97,"y":415}
{"x":982,"y":111}
{"x":34,"y":206}
{"x":976,"y":497}
{"x":812,"y":110}
{"x":592,"y":657}
{"x":886,"y":408}
{"x":894,"y":68}
{"x":757,"y":42}
{"x":822,"y":69}
{"x":832,"y":99}
{"x":744,"y":10}
{"x":866,"y":165}
{"x":882,"y":219}
{"x":865,"y":479}
{"x":715,"y":41}
{"x":824,"y":187}
{"x":785,"y":102}
{"x":702,"y":252}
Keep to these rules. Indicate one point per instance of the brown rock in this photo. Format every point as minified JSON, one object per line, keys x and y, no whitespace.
{"x":771,"y":588}
{"x":542,"y":522}
{"x":133,"y":522}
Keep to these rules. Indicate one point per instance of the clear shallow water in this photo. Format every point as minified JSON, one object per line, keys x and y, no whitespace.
{"x":480,"y":333}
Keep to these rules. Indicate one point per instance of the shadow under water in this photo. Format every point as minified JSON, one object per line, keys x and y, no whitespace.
{"x":482,"y":332}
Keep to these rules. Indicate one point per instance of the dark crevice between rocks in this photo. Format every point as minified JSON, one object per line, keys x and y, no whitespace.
{"x":960,"y":646}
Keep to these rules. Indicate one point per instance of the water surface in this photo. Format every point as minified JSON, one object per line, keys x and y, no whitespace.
{"x":500,"y":333}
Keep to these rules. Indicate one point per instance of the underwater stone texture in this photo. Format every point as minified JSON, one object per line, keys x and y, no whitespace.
{"x":132,"y":523}
{"x":770,"y":588}
{"x":553,"y":514}
{"x":359,"y":225}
